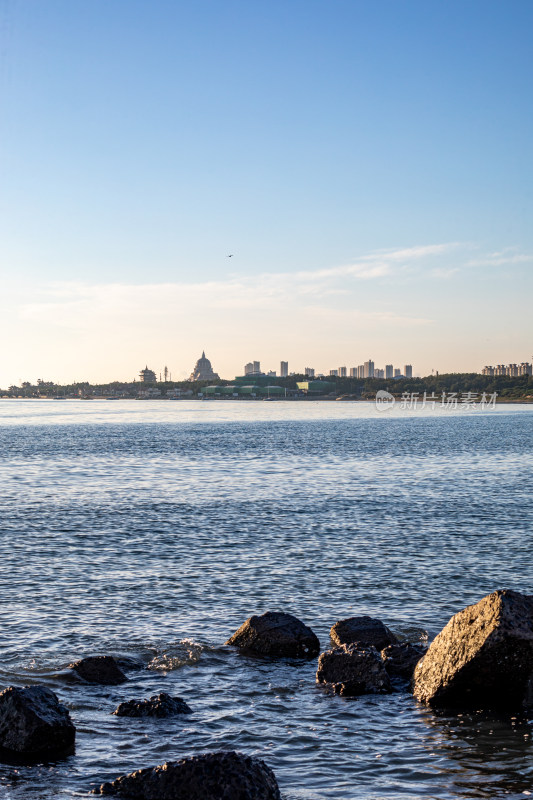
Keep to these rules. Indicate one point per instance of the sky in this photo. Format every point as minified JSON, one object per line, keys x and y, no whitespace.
{"x":367,"y":165}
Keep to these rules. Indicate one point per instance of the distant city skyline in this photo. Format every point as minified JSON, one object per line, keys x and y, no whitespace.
{"x":368,"y":167}
{"x":203,"y":371}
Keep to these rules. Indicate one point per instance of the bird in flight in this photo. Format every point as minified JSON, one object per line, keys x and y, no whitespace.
{"x":230,"y":255}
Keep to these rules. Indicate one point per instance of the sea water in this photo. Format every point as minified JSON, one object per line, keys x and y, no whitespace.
{"x":154,"y":529}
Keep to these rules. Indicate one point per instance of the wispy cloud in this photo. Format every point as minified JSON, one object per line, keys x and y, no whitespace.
{"x":380,"y":263}
{"x":353,"y":308}
{"x":444,"y":273}
{"x":500,"y":258}
{"x":79,"y":305}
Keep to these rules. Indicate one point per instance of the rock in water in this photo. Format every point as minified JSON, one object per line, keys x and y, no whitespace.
{"x":276,"y":634}
{"x":99,"y":669}
{"x":352,"y":670}
{"x":400,"y":660}
{"x":159,"y":705}
{"x":483,"y":658}
{"x":213,"y":776}
{"x":130,"y":662}
{"x":363,"y":631}
{"x":33,"y":721}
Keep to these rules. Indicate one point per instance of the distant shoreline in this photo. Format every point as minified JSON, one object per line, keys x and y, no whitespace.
{"x":306,"y":399}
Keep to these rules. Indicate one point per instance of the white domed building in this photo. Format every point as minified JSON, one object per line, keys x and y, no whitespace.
{"x":203,"y":371}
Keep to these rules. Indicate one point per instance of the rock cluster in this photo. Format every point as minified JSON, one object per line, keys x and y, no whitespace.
{"x":367,"y":657}
{"x":276,"y":634}
{"x":159,"y":705}
{"x":483,"y":658}
{"x":33,"y":722}
{"x":212,"y":776}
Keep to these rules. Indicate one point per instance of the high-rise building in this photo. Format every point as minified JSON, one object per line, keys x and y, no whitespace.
{"x":511,"y":370}
{"x":309,"y":372}
{"x":379,"y":373}
{"x":353,"y":372}
{"x":342,"y":372}
{"x":252,"y":368}
{"x":389,"y":371}
{"x":147,"y":375}
{"x":284,"y":369}
{"x":397,"y":373}
{"x":369,"y":369}
{"x":334,"y":373}
{"x":408,"y":371}
{"x":361,"y":371}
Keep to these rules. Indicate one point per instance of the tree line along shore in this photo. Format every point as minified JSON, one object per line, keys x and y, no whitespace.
{"x":507,"y":389}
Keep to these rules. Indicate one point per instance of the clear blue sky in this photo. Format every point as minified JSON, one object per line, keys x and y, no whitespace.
{"x":144,"y":141}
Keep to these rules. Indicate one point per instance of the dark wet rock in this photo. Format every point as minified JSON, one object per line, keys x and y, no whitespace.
{"x":159,"y":705}
{"x":33,"y":721}
{"x":363,"y":631}
{"x":99,"y":669}
{"x":353,"y":670}
{"x":212,"y":776}
{"x":276,"y":634}
{"x":400,"y":660}
{"x":483,"y":658}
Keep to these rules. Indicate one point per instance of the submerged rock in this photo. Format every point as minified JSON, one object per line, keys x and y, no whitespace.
{"x":483,"y":658}
{"x":400,"y":660}
{"x":33,"y":721}
{"x":212,"y":776}
{"x":130,"y":662}
{"x":364,"y":631}
{"x":276,"y":634}
{"x":99,"y":669}
{"x":159,"y":705}
{"x":353,"y":670}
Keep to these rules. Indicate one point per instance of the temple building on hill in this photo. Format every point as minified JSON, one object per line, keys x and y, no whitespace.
{"x":147,"y":375}
{"x":203,"y":371}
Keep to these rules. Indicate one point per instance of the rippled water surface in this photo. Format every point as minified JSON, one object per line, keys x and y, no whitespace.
{"x":153,"y":530}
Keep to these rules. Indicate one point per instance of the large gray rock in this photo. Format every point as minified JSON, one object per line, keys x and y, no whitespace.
{"x":213,"y":776}
{"x":363,"y":631}
{"x":483,"y":658}
{"x":159,"y":705}
{"x":99,"y":669}
{"x":276,"y":634}
{"x":400,"y":660}
{"x":353,"y":670}
{"x":33,"y":722}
